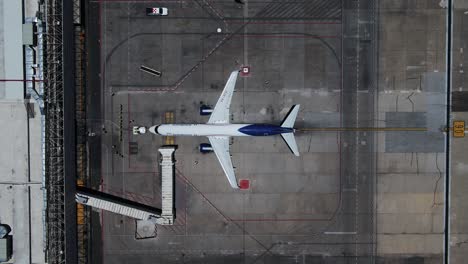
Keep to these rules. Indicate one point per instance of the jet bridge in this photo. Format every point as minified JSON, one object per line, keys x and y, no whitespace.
{"x":167,"y":183}
{"x":119,"y":205}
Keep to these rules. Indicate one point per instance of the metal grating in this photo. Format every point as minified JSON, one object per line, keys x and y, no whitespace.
{"x":60,"y":153}
{"x":76,"y":12}
{"x":53,"y":94}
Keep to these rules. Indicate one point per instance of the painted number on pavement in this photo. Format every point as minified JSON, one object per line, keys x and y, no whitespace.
{"x":459,"y":128}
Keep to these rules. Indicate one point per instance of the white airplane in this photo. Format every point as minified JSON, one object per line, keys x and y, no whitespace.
{"x":218,"y":129}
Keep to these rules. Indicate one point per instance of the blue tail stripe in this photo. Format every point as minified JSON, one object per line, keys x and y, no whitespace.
{"x":264,"y":130}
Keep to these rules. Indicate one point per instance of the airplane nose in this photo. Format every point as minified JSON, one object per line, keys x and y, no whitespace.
{"x":154,"y":130}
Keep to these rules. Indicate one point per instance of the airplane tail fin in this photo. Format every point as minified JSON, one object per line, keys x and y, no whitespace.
{"x":289,"y":122}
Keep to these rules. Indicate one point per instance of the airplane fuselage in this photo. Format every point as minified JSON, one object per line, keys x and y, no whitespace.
{"x":219,"y":130}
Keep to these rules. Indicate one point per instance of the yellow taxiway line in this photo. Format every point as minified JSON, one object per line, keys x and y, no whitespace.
{"x":373,"y":129}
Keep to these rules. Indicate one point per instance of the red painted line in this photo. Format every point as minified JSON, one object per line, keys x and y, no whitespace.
{"x":273,"y":22}
{"x":138,"y":1}
{"x":283,"y":36}
{"x":282,"y":220}
{"x":151,"y":90}
{"x":128,"y":133}
{"x":141,"y":172}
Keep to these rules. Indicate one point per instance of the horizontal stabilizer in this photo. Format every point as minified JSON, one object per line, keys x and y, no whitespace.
{"x":291,"y":117}
{"x":291,"y":142}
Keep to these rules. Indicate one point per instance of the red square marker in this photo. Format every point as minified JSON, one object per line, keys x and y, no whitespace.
{"x":244,"y":184}
{"x":245,"y":71}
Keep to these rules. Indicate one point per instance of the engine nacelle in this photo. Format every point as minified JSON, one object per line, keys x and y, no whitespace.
{"x":205,"y":110}
{"x":205,"y":148}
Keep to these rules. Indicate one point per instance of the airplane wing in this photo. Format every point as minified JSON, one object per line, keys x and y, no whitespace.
{"x":220,"y":114}
{"x":220,"y":146}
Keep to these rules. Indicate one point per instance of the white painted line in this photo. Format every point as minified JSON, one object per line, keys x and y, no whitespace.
{"x":339,"y":233}
{"x":401,"y":91}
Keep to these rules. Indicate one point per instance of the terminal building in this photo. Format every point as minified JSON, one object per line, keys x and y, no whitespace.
{"x":22,"y":177}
